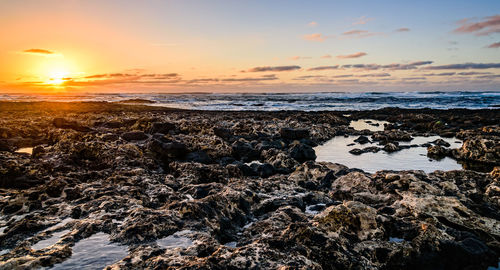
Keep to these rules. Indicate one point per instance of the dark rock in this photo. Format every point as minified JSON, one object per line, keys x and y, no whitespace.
{"x":244,"y":151}
{"x":66,"y":124}
{"x":390,"y":147}
{"x":362,"y":140}
{"x":134,"y":136}
{"x":223,"y":132}
{"x":199,"y":156}
{"x":161,"y":127}
{"x":441,"y":142}
{"x":294,"y":134}
{"x":302,"y":152}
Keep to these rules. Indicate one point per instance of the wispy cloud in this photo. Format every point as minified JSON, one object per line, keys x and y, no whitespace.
{"x":494,"y":45}
{"x":440,"y":74}
{"x":375,"y":75}
{"x":312,"y":24}
{"x":263,"y":78}
{"x":277,"y":68}
{"x":39,"y":52}
{"x":300,"y":57}
{"x":354,"y":55}
{"x":473,"y":73}
{"x":487,"y":26}
{"x":326,"y":56}
{"x":315,"y":37}
{"x":465,"y":66}
{"x":403,"y":29}
{"x":359,"y":34}
{"x":394,"y":66}
{"x":362,"y":20}
{"x":323,"y":68}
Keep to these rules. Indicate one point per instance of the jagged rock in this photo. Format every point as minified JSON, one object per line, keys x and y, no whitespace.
{"x":390,"y":147}
{"x":294,"y":134}
{"x":66,"y":124}
{"x":362,"y":140}
{"x":302,"y":152}
{"x":437,"y":151}
{"x":161,"y":127}
{"x":134,"y":136}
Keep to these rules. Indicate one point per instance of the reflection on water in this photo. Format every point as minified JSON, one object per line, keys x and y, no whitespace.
{"x":25,"y":150}
{"x":415,"y":158}
{"x":176,"y":240}
{"x":372,"y":125}
{"x":94,"y":252}
{"x":49,"y":241}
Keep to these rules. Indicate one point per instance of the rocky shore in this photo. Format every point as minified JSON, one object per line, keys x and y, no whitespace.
{"x":242,"y":190}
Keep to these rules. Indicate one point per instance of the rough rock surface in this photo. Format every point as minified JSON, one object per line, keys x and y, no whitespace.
{"x":242,"y":190}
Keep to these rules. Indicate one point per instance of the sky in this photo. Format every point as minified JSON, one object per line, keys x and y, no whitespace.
{"x":248,"y":46}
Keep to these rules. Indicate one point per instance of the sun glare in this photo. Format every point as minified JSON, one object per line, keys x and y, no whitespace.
{"x":57,"y":77}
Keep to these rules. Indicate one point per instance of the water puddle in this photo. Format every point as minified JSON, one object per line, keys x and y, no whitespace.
{"x":49,"y":241}
{"x":415,"y":158}
{"x":231,"y":244}
{"x":4,"y":251}
{"x":94,"y":252}
{"x":25,"y":150}
{"x":396,"y":240}
{"x":176,"y":240}
{"x":370,"y":124}
{"x":315,"y":208}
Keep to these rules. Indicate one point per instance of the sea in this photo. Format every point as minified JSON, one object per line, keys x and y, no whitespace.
{"x":323,"y":101}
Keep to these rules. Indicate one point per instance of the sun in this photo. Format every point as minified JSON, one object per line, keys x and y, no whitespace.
{"x":57,"y":76}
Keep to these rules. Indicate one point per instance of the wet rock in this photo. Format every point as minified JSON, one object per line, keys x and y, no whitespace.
{"x":441,"y":142}
{"x":67,"y":124}
{"x":134,"y":136}
{"x":390,"y":147}
{"x":437,"y":151}
{"x":480,"y":150}
{"x":294,"y":134}
{"x":244,"y":151}
{"x":199,"y":156}
{"x":167,"y":150}
{"x":161,"y":127}
{"x":362,"y":140}
{"x":223,"y":132}
{"x":302,"y":152}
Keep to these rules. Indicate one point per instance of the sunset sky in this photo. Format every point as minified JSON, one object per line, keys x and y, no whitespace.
{"x":235,"y":46}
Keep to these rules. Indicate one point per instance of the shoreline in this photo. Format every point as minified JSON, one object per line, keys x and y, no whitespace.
{"x":241,"y":189}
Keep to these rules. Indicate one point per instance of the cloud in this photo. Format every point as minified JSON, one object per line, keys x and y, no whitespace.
{"x":39,"y":52}
{"x":312,"y":24}
{"x":375,"y":75}
{"x":362,"y":20}
{"x":277,"y":68}
{"x":355,"y":32}
{"x":487,"y":26}
{"x":359,"y":34}
{"x":314,"y":37}
{"x":302,"y":78}
{"x":465,"y":66}
{"x":440,"y":74}
{"x":326,"y":56}
{"x":403,"y":29}
{"x":414,"y":78}
{"x":473,"y":73}
{"x":354,"y":55}
{"x":395,"y":66}
{"x":263,"y":78}
{"x":300,"y":57}
{"x":494,"y":45}
{"x":323,"y":68}
{"x":493,"y":76}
